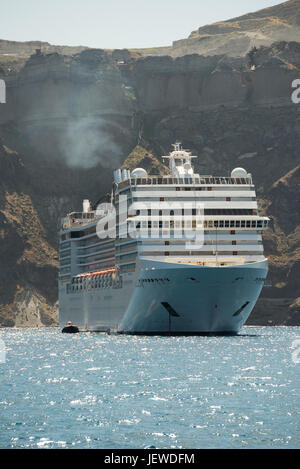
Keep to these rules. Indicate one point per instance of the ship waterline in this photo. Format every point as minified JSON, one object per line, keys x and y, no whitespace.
{"x":193,"y":300}
{"x":201,"y":300}
{"x":144,"y":275}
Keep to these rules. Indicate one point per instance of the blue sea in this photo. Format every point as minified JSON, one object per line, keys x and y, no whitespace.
{"x":108,"y":391}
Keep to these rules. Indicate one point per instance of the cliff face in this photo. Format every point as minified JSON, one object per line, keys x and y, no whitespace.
{"x":28,"y":264}
{"x":21,"y":49}
{"x":70,"y":120}
{"x":195,"y":83}
{"x":236,"y":37}
{"x":66,"y":96}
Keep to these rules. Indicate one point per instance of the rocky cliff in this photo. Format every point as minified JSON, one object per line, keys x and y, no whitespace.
{"x":21,"y":49}
{"x":236,"y":37}
{"x":28,"y":262}
{"x":70,"y":119}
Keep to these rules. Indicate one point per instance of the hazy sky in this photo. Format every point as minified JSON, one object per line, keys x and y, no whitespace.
{"x":115,"y":23}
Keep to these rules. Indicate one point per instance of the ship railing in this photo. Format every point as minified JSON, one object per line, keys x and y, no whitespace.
{"x":192,"y":180}
{"x":209,"y":262}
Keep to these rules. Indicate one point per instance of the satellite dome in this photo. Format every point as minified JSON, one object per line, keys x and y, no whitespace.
{"x":239,"y":173}
{"x":139,"y":173}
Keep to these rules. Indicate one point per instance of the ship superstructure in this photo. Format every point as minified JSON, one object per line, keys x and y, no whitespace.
{"x":180,"y":253}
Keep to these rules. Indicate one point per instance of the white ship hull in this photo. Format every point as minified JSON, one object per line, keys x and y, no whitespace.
{"x":163,"y":298}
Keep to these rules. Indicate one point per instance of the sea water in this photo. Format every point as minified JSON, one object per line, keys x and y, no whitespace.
{"x":94,"y":390}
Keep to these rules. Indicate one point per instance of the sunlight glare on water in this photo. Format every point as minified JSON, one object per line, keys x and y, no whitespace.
{"x":110,"y":391}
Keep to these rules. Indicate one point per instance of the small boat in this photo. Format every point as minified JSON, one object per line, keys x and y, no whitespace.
{"x":70,"y":328}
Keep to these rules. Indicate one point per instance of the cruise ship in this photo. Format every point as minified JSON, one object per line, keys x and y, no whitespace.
{"x":179,"y":253}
